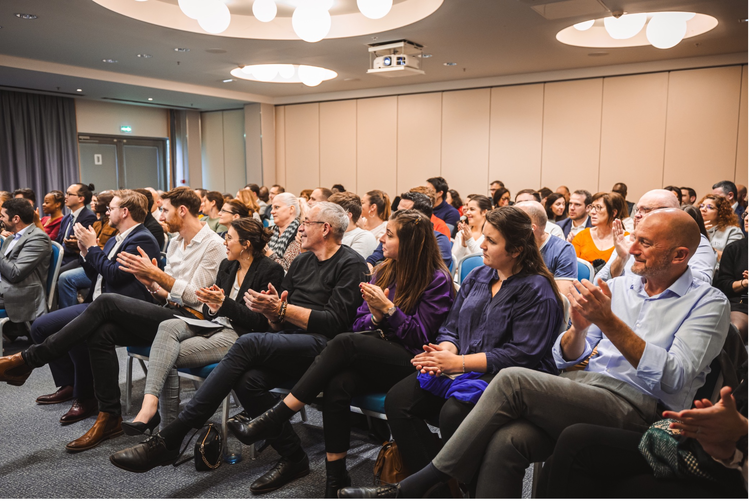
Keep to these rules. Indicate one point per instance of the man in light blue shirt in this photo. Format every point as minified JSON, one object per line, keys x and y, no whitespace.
{"x":702,"y":264}
{"x":657,"y":333}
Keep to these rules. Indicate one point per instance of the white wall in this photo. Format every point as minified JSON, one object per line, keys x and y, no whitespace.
{"x":223,"y":151}
{"x":99,"y":117}
{"x":686,"y":127}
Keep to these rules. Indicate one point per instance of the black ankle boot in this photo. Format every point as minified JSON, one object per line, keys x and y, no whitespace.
{"x":267,"y":426}
{"x":336,"y":477}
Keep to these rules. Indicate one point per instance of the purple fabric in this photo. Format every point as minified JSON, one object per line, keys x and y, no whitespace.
{"x":466,"y":387}
{"x":417,"y":328}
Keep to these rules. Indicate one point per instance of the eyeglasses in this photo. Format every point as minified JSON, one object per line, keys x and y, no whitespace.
{"x":227,"y":212}
{"x":596,"y":208}
{"x":110,"y":208}
{"x":706,"y":206}
{"x":307,"y":222}
{"x":72,"y":194}
{"x":646,"y":210}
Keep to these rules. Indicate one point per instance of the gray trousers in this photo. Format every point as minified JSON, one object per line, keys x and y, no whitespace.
{"x":519,"y":417}
{"x":177,"y":345}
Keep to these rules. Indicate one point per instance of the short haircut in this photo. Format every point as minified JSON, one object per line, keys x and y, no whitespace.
{"x":216,"y":197}
{"x":440,"y":184}
{"x":334,"y":215}
{"x":536,"y":212}
{"x":586,"y":195}
{"x":289,"y":200}
{"x":529,"y":191}
{"x":263,"y":193}
{"x":350,"y":202}
{"x":201,"y":191}
{"x":19,"y":207}
{"x":428,"y":191}
{"x":136,"y":203}
{"x":621,"y":188}
{"x":691,"y":193}
{"x":252,"y":231}
{"x":183,"y":196}
{"x":26,"y":193}
{"x":422,"y":202}
{"x":279,"y":188}
{"x":545,"y":192}
{"x":254,"y":188}
{"x":727,"y":187}
{"x":325,"y":191}
{"x":86,"y":191}
{"x":607,"y":199}
{"x":149,"y":197}
{"x":502,"y":185}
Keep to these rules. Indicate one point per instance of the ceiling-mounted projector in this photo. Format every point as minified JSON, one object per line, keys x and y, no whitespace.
{"x":396,"y":59}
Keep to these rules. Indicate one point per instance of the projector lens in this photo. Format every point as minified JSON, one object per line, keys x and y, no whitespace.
{"x":387,"y":61}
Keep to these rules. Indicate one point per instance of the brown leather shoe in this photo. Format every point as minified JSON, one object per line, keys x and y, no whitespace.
{"x":107,"y":426}
{"x":13,"y":370}
{"x":63,"y":394}
{"x":80,"y":410}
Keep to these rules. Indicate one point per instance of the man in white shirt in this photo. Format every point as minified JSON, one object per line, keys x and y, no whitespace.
{"x":355,"y":237}
{"x":72,"y":372}
{"x":529,"y":195}
{"x":114,"y":320}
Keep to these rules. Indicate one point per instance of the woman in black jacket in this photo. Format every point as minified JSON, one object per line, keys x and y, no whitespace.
{"x":731,"y":279}
{"x":179,"y":344}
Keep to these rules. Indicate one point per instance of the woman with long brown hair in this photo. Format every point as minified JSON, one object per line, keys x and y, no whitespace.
{"x":405,"y":303}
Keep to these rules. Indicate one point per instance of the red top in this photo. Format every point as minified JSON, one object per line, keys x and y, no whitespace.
{"x":52,"y":228}
{"x":440,"y":226}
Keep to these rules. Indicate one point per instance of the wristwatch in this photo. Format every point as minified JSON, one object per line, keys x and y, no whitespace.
{"x":391,"y":311}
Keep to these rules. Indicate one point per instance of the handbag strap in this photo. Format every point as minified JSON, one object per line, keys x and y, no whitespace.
{"x":178,"y":462}
{"x":203,"y":443}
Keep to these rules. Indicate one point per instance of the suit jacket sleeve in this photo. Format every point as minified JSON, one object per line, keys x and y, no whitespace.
{"x":36,"y":249}
{"x":110,"y":270}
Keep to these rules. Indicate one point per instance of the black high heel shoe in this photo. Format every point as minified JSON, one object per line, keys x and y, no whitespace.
{"x":135,"y":428}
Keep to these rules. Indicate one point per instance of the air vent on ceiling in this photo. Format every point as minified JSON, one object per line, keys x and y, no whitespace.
{"x":151,"y":103}
{"x":563,"y":9}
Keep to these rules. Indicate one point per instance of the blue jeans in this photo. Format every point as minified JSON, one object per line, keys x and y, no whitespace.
{"x":68,"y":284}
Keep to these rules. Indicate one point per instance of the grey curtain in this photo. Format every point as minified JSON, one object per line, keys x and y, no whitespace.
{"x":38,"y":143}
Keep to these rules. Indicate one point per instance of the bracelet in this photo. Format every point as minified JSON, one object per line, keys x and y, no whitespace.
{"x":155,"y":290}
{"x":374,"y":322}
{"x":463,"y":363}
{"x":282,"y":312}
{"x":743,"y":286}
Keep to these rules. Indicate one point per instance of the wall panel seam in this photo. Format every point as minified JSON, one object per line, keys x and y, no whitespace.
{"x":739,"y":118}
{"x":666,"y":127}
{"x":601,"y":134}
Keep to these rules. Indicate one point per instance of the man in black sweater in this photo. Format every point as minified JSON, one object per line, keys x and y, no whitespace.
{"x":319,"y":298}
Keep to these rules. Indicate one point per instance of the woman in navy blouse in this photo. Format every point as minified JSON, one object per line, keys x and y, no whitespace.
{"x":407,"y":300}
{"x":507,"y":313}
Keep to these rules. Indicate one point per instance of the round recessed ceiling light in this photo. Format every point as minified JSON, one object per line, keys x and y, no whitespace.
{"x":285,"y":73}
{"x":79,"y":90}
{"x":181,"y":49}
{"x":449,"y":64}
{"x":663,"y":30}
{"x":109,"y":61}
{"x":28,"y":17}
{"x":151,"y":99}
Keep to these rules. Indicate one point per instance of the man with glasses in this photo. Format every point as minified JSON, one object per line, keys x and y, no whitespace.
{"x":72,"y":371}
{"x":318,"y":299}
{"x":702,"y":263}
{"x":113,"y":320}
{"x":77,"y":197}
{"x":578,"y":216}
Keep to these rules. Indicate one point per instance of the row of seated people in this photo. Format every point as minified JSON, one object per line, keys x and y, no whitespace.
{"x":321,"y":294}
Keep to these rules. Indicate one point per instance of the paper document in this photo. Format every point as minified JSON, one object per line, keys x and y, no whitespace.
{"x":206,"y":324}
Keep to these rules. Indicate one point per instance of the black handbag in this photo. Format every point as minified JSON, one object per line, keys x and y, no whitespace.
{"x":207,"y":450}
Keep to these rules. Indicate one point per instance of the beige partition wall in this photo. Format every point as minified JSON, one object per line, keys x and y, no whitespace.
{"x":634,"y":117}
{"x":686,"y":127}
{"x":376,"y":145}
{"x":419,"y":134}
{"x":212,"y":150}
{"x":516,"y":118}
{"x":223,"y":150}
{"x":702,"y":120}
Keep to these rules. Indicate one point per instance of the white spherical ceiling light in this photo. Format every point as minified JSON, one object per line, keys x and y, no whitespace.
{"x":311,"y":24}
{"x":286,"y":70}
{"x":265,"y":72}
{"x":264,"y":10}
{"x":374,"y":9}
{"x":665,"y":30}
{"x":584,"y":25}
{"x":624,"y":27}
{"x":310,"y":75}
{"x":217,"y":19}
{"x":193,"y":8}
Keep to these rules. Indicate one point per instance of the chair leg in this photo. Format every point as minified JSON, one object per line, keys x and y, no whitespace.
{"x":536,"y":475}
{"x":2,"y":325}
{"x":224,"y":418}
{"x":143,"y":366}
{"x":129,"y":384}
{"x":303,"y":413}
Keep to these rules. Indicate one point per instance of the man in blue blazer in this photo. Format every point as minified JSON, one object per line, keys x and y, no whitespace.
{"x":72,"y":373}
{"x":77,"y":198}
{"x":578,"y":215}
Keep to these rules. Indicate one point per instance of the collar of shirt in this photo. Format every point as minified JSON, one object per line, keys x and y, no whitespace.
{"x":121,"y":236}
{"x":679,"y":287}
{"x":583,"y":225}
{"x":21,"y":232}
{"x":75,"y":214}
{"x":198,"y":238}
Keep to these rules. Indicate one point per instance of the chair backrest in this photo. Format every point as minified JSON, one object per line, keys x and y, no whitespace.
{"x":566,"y":314}
{"x":585,"y":270}
{"x":451,"y":229}
{"x":54,"y":272}
{"x":468,"y":263}
{"x":166,"y":242}
{"x":162,"y":260}
{"x":452,"y":268}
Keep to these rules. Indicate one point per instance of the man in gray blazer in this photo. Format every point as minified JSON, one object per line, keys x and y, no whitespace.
{"x":24,"y":263}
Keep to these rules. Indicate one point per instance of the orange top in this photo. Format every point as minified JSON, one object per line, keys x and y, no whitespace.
{"x":440,"y":226}
{"x":587,"y":250}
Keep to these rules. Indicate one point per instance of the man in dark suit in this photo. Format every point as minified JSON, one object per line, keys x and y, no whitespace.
{"x":24,"y":263}
{"x":578,"y":216}
{"x":150,"y":222}
{"x":72,"y":373}
{"x":77,"y":198}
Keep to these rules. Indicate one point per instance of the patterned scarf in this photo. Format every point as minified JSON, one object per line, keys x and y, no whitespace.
{"x":280,"y":241}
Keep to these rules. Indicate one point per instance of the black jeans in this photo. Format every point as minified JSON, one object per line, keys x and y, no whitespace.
{"x":593,"y":461}
{"x":256,"y":363}
{"x":73,"y":368}
{"x":352,"y":363}
{"x":110,"y":321}
{"x":407,"y":406}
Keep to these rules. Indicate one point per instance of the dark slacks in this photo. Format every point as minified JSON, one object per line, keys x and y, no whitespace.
{"x":407,"y":406}
{"x":73,"y":368}
{"x":255,"y":364}
{"x":351,"y":364}
{"x":110,"y":321}
{"x":593,"y":461}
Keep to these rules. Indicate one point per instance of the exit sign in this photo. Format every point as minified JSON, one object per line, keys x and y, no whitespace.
{"x":126,"y":129}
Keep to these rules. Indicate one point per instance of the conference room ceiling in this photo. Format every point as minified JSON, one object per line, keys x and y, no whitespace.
{"x":64,"y":48}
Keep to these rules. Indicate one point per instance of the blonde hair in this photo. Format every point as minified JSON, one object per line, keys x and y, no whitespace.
{"x":247,"y":197}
